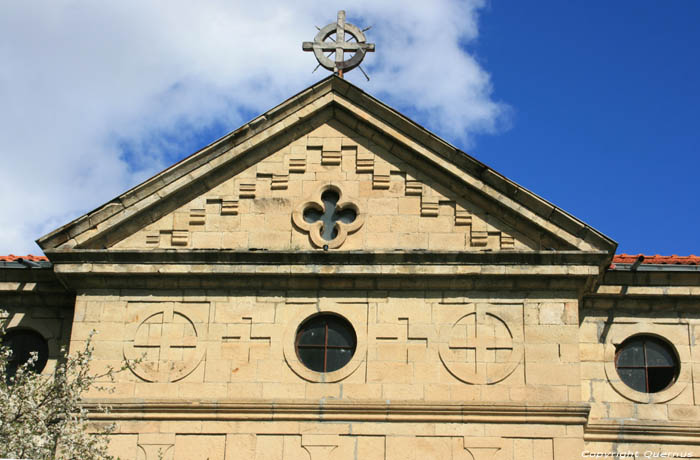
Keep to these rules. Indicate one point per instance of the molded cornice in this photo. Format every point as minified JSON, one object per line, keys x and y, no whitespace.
{"x":401,"y":411}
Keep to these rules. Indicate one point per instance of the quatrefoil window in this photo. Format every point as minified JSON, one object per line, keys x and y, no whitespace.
{"x":331,"y":214}
{"x":327,"y":217}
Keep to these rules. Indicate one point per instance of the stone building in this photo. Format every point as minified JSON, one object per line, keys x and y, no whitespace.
{"x":331,"y":280}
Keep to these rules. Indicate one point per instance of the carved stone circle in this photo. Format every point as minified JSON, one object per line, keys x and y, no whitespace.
{"x":165,"y":347}
{"x":481,"y":347}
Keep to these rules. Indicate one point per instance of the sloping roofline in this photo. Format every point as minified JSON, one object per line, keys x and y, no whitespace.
{"x":330,"y":90}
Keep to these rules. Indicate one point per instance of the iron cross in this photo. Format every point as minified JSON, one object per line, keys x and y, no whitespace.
{"x":340,"y":46}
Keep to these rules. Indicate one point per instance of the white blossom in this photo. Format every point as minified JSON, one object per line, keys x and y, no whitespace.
{"x":41,"y":415}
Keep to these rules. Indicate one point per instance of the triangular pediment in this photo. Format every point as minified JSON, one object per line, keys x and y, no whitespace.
{"x":272,"y":184}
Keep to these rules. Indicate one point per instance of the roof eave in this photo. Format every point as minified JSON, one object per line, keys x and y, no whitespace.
{"x":183,"y":167}
{"x":354,"y":95}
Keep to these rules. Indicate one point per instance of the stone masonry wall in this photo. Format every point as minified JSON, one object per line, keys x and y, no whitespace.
{"x":607,"y":323}
{"x":397,"y":205}
{"x":33,"y":299}
{"x":412,"y":345}
{"x":234,"y":346}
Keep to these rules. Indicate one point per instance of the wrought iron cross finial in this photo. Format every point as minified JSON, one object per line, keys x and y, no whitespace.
{"x":339,"y":46}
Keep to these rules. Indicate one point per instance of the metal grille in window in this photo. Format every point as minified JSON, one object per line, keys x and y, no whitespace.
{"x":22,"y":343}
{"x":646,"y":363}
{"x":325,"y":342}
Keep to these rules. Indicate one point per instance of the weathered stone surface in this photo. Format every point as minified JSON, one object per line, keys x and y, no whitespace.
{"x":486,"y":322}
{"x":261,"y":199}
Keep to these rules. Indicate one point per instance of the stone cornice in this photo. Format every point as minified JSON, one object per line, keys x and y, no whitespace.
{"x":616,"y":285}
{"x":640,"y":284}
{"x":242,"y":137}
{"x":324,"y":270}
{"x":330,"y":258}
{"x":618,"y":291}
{"x":400,"y":411}
{"x":173,"y":269}
{"x":652,"y":432}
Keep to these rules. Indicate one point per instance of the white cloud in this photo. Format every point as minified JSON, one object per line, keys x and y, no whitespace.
{"x":81,"y":80}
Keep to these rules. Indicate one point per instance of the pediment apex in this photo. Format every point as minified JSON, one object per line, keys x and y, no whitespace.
{"x":330,"y":99}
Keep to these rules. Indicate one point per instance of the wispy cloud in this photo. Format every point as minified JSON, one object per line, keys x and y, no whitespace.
{"x":97,"y":96}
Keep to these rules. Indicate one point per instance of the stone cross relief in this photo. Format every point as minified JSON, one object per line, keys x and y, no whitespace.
{"x":480,"y":338}
{"x":405,"y":337}
{"x":482,"y":347}
{"x":243,"y":334}
{"x":169,"y":341}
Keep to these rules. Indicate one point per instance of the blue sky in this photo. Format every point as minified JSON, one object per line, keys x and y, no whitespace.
{"x":606,"y":113}
{"x":592,"y":105}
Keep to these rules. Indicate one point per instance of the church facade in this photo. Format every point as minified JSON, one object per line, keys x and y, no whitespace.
{"x":332,"y":281}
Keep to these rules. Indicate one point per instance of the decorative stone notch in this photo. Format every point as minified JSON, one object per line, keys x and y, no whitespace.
{"x":328,"y":217}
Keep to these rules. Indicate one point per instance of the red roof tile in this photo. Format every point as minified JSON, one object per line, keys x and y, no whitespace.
{"x":31,"y":258}
{"x":657,"y":259}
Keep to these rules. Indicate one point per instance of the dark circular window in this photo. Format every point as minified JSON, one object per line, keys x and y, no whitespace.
{"x":22,"y":342}
{"x":646,"y":363}
{"x":325,"y":342}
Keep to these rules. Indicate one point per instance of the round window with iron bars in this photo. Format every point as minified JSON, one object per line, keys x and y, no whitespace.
{"x":325,"y":342}
{"x":23,"y":343}
{"x":647,"y":363}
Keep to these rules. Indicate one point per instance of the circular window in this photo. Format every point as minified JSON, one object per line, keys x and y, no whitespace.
{"x":646,"y":363}
{"x":325,"y":343}
{"x":22,"y":343}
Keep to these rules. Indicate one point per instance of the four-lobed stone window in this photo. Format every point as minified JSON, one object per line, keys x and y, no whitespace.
{"x":330,"y":215}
